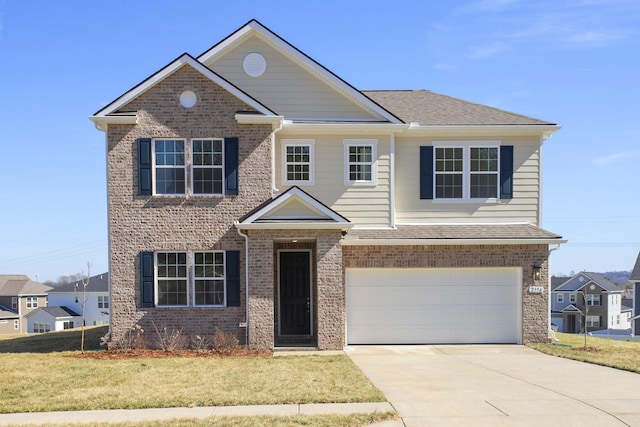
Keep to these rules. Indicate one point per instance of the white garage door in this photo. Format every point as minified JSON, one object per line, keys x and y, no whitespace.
{"x":432,"y":306}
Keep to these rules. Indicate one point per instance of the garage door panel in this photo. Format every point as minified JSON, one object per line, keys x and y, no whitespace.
{"x":409,"y":306}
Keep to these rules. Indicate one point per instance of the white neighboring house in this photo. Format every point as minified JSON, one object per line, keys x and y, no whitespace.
{"x":96,"y":296}
{"x":47,"y":319}
{"x":635,"y":280}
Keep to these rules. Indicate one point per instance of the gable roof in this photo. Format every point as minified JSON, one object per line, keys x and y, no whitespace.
{"x":19,"y":284}
{"x":307,"y":212}
{"x":172,"y":67}
{"x":5,"y":313}
{"x":255,"y":28}
{"x":56,"y":312}
{"x":97,"y":283}
{"x":433,"y":109}
{"x":635,"y":273}
{"x":584,"y":278}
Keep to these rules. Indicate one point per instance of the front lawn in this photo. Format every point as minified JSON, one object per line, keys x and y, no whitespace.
{"x":601,"y":351}
{"x":46,"y":380}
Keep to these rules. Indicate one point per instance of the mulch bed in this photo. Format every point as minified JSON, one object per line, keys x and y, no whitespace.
{"x":161,"y":354}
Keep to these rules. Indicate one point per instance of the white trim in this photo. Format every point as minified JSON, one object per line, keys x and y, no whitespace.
{"x":258,"y":119}
{"x":311,"y":143}
{"x":295,"y":226}
{"x":154,"y":167}
{"x":183,"y":60}
{"x":392,"y":180}
{"x":192,"y":281}
{"x":156,"y":278}
{"x":311,"y":299}
{"x":361,"y":142}
{"x":189,"y":189}
{"x":451,"y":242}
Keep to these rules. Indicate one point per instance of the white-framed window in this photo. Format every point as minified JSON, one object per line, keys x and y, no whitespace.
{"x":466,"y":170}
{"x":171,"y":279}
{"x":32,"y":302}
{"x":16,"y":324}
{"x":103,"y":301}
{"x":14,"y":303}
{"x":67,"y":324}
{"x":208,"y":279}
{"x":185,"y":278}
{"x":169,"y":166}
{"x":593,"y":299}
{"x":207,"y":160}
{"x":559,"y":298}
{"x":360,"y":158}
{"x":298,"y":161}
{"x":593,"y":321}
{"x":572,"y":298}
{"x":41,"y":328}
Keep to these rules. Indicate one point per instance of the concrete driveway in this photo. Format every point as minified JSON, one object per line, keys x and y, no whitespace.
{"x":498,"y":385}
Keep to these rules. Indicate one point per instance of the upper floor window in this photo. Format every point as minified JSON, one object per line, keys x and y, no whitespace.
{"x":593,"y":299}
{"x":207,"y":164}
{"x":32,"y":302}
{"x":572,"y":298}
{"x":169,"y":166}
{"x":360,"y":161}
{"x":298,"y":161}
{"x":14,"y":303}
{"x":103,"y":301}
{"x":466,"y":171}
{"x":560,"y":297}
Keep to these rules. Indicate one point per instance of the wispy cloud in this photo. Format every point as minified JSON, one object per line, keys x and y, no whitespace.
{"x":611,"y":159}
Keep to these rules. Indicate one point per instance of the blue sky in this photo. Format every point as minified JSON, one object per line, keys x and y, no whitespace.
{"x":572,"y":62}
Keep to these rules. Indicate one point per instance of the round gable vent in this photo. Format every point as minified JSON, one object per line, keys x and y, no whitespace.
{"x":188,"y":99}
{"x":254,"y":65}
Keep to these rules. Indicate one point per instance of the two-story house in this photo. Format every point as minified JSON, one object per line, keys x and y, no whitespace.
{"x":601,"y":297}
{"x":252,"y":190}
{"x":68,"y":302}
{"x":635,"y":283}
{"x":19,"y":296}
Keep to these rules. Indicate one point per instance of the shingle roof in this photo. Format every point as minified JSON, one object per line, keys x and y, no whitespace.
{"x":582,"y":279}
{"x":97,"y":283}
{"x":635,"y":273}
{"x":433,"y":109}
{"x":19,"y":284}
{"x":59,"y":311}
{"x":6,"y":313}
{"x":557,"y":281}
{"x":456,"y":231}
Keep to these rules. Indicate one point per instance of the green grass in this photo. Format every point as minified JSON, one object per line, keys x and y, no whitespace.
{"x":601,"y":351}
{"x":40,"y":379}
{"x":352,"y":420}
{"x":52,"y":342}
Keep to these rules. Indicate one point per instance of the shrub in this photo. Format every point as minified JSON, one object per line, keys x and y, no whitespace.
{"x":225,"y":343}
{"x":169,"y":339}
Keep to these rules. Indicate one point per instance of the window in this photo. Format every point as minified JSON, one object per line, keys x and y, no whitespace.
{"x":208,"y":278}
{"x":198,"y":279}
{"x":16,"y":324}
{"x":67,"y":324}
{"x":593,"y":299}
{"x":14,"y":303}
{"x":32,"y":302}
{"x":171,"y":280}
{"x":103,"y":301}
{"x":212,"y":164}
{"x":360,"y":161}
{"x":298,"y":161}
{"x":572,"y":298}
{"x":206,"y":166}
{"x":466,"y":171}
{"x":169,"y":166}
{"x":593,"y":321}
{"x":559,"y":297}
{"x":41,"y":328}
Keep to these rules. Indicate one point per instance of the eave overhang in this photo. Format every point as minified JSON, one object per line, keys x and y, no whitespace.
{"x":450,"y":242}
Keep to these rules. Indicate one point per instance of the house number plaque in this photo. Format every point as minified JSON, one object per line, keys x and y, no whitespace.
{"x":536,"y":289}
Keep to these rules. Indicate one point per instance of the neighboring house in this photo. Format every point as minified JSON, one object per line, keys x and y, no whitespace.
{"x":96,"y":299}
{"x":603,"y":299}
{"x":19,"y":296}
{"x":635,"y":281}
{"x":253,"y":191}
{"x":47,"y":319}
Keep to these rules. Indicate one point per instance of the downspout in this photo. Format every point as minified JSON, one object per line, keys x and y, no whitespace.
{"x":246,"y":285}
{"x":392,"y":180}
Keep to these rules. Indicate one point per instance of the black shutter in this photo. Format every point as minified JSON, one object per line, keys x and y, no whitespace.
{"x":426,"y":172}
{"x":146,"y":279}
{"x":231,"y":166}
{"x":144,"y":166}
{"x":506,"y":171}
{"x":232,"y":273}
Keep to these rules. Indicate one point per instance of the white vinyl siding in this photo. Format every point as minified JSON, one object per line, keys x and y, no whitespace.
{"x":365,"y":206}
{"x":524,"y":207}
{"x":286,"y":87}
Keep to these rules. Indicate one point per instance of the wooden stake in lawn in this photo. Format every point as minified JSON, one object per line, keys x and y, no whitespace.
{"x":83,"y":301}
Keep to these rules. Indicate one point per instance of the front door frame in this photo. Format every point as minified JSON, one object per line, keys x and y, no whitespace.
{"x":311,"y":295}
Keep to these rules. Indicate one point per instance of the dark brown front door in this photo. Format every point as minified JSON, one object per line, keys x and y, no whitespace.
{"x":295,"y":293}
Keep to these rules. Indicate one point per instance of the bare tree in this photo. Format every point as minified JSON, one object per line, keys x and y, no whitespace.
{"x":85,"y":282}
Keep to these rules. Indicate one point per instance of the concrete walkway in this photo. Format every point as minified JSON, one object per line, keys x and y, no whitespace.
{"x":133,"y":415}
{"x":492,"y":385}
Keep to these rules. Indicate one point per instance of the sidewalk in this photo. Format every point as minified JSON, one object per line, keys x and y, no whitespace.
{"x":161,"y":414}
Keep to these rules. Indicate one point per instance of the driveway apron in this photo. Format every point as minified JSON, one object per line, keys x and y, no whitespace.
{"x":498,"y":385}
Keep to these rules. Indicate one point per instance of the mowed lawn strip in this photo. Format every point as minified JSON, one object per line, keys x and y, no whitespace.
{"x":34,"y":382}
{"x":601,"y":351}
